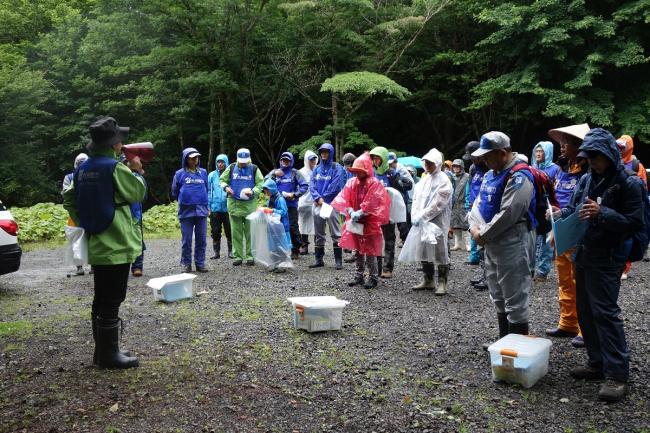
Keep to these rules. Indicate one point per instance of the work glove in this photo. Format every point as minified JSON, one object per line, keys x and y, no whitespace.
{"x":356,"y":215}
{"x":349,"y":211}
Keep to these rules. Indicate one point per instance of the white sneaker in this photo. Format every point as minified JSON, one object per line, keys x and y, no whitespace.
{"x":623,"y":277}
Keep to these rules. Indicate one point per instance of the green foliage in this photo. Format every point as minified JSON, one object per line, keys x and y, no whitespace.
{"x":161,"y":219}
{"x":41,"y":222}
{"x":355,"y":141}
{"x":364,"y":84}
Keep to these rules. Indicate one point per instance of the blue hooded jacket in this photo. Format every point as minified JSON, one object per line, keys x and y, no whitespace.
{"x":548,"y":166}
{"x":292,"y":181}
{"x":328,"y":177}
{"x":190,"y":188}
{"x":217,"y":197}
{"x":277,"y":202}
{"x":621,"y":208}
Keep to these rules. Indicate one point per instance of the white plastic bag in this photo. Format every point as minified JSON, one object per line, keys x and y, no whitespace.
{"x":430,"y":232}
{"x":76,"y":254}
{"x":420,"y":244}
{"x":397,"y":206}
{"x":325,"y":211}
{"x":354,"y":227}
{"x":269,"y":244}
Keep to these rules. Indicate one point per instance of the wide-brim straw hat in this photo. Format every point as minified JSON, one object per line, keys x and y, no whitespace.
{"x":578,"y":131}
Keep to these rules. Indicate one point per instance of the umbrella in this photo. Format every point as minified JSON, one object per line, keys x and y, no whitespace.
{"x":410,"y":160}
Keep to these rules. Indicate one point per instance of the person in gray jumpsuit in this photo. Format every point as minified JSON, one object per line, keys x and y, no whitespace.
{"x":506,"y":205}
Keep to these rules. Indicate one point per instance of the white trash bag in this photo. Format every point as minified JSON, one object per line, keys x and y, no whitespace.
{"x":76,"y":254}
{"x":397,"y":212}
{"x":420,"y":244}
{"x":269,"y":244}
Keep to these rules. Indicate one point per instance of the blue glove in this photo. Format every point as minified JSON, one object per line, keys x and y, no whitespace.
{"x":349,"y":211}
{"x":354,"y":216}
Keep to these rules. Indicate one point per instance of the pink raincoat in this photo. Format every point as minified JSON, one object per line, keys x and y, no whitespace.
{"x":370,"y":196}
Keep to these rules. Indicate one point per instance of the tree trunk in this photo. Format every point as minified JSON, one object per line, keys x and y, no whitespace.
{"x":335,"y":128}
{"x":213,"y":114}
{"x":181,"y":140}
{"x":222,"y":128}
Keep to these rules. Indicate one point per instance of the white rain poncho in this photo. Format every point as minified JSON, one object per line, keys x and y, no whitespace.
{"x":431,"y":198}
{"x":397,"y":206}
{"x":76,"y":254}
{"x":270,"y":245}
{"x":305,"y":202}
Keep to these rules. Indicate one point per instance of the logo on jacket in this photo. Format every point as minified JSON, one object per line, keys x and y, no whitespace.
{"x":189,"y":180}
{"x":242,"y":176}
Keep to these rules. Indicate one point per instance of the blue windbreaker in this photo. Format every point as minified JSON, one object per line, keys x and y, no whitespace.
{"x":291,"y":181}
{"x":217,"y":197}
{"x":190,"y":188}
{"x":328,"y":177}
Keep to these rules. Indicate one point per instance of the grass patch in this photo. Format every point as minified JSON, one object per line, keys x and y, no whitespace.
{"x":18,"y":329}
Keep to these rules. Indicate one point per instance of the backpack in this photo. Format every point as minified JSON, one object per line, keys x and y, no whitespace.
{"x":641,"y":237}
{"x":544,"y":190}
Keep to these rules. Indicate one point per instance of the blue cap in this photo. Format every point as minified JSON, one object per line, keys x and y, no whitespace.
{"x":490,"y":141}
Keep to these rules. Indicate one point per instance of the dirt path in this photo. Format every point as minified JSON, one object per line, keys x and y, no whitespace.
{"x":229,"y":361}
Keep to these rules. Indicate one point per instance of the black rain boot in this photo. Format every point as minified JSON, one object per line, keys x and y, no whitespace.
{"x":380,"y":265}
{"x":230,"y":256}
{"x":93,"y":320}
{"x":107,"y":344}
{"x":318,"y":255}
{"x":504,"y":328}
{"x":304,"y":245}
{"x":216,"y":246}
{"x":518,"y":328}
{"x":338,"y":258}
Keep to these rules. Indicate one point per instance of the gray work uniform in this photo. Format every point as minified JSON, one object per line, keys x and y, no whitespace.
{"x":510,"y":249}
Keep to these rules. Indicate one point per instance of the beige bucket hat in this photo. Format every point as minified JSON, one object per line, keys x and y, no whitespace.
{"x":578,"y":131}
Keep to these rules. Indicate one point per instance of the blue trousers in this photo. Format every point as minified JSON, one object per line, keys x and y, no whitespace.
{"x":474,"y":256}
{"x":543,"y":256}
{"x":598,"y":281}
{"x":199,"y":227}
{"x":139,"y":261}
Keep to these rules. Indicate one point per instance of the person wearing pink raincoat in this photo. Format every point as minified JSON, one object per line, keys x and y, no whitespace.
{"x":366,"y":206}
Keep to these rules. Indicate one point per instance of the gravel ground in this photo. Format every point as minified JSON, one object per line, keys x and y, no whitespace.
{"x":229,"y":360}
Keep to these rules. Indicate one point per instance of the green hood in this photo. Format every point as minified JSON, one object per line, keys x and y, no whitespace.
{"x":381,"y":152}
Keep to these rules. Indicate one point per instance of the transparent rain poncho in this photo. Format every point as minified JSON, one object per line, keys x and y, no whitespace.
{"x":270,"y":245}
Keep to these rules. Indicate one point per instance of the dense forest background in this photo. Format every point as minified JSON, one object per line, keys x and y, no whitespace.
{"x":273,"y":75}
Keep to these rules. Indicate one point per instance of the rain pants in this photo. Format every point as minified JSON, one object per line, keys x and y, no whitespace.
{"x":305,"y":202}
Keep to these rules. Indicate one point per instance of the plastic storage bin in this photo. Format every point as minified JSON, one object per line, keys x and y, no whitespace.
{"x":317,"y":313}
{"x":172,"y":288}
{"x":519,"y":359}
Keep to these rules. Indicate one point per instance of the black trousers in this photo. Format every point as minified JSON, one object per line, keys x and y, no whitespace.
{"x":389,"y":246}
{"x":218,"y":220}
{"x":294,"y":231}
{"x":110,"y":289}
{"x":598,"y":281}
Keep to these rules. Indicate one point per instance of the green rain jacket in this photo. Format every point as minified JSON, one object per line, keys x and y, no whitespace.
{"x":121,"y":242}
{"x":242,"y":208}
{"x":381,"y":152}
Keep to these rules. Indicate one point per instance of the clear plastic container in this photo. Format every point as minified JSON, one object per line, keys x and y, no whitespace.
{"x":317,"y":313}
{"x":521,"y":359}
{"x":172,"y":288}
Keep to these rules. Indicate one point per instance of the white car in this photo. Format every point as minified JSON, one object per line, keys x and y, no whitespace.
{"x":10,"y":251}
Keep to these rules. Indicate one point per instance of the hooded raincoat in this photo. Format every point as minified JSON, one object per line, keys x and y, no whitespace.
{"x":628,"y":157}
{"x":305,"y":202}
{"x":217,"y":198}
{"x":431,"y":199}
{"x":461,"y":191}
{"x":547,"y":166}
{"x":369,"y":196}
{"x":190,"y":188}
{"x":278,"y":204}
{"x":291,"y":181}
{"x":328,"y":177}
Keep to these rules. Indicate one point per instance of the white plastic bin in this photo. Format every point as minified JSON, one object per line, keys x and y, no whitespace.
{"x":172,"y":288}
{"x":519,"y":359}
{"x":317,"y":313}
